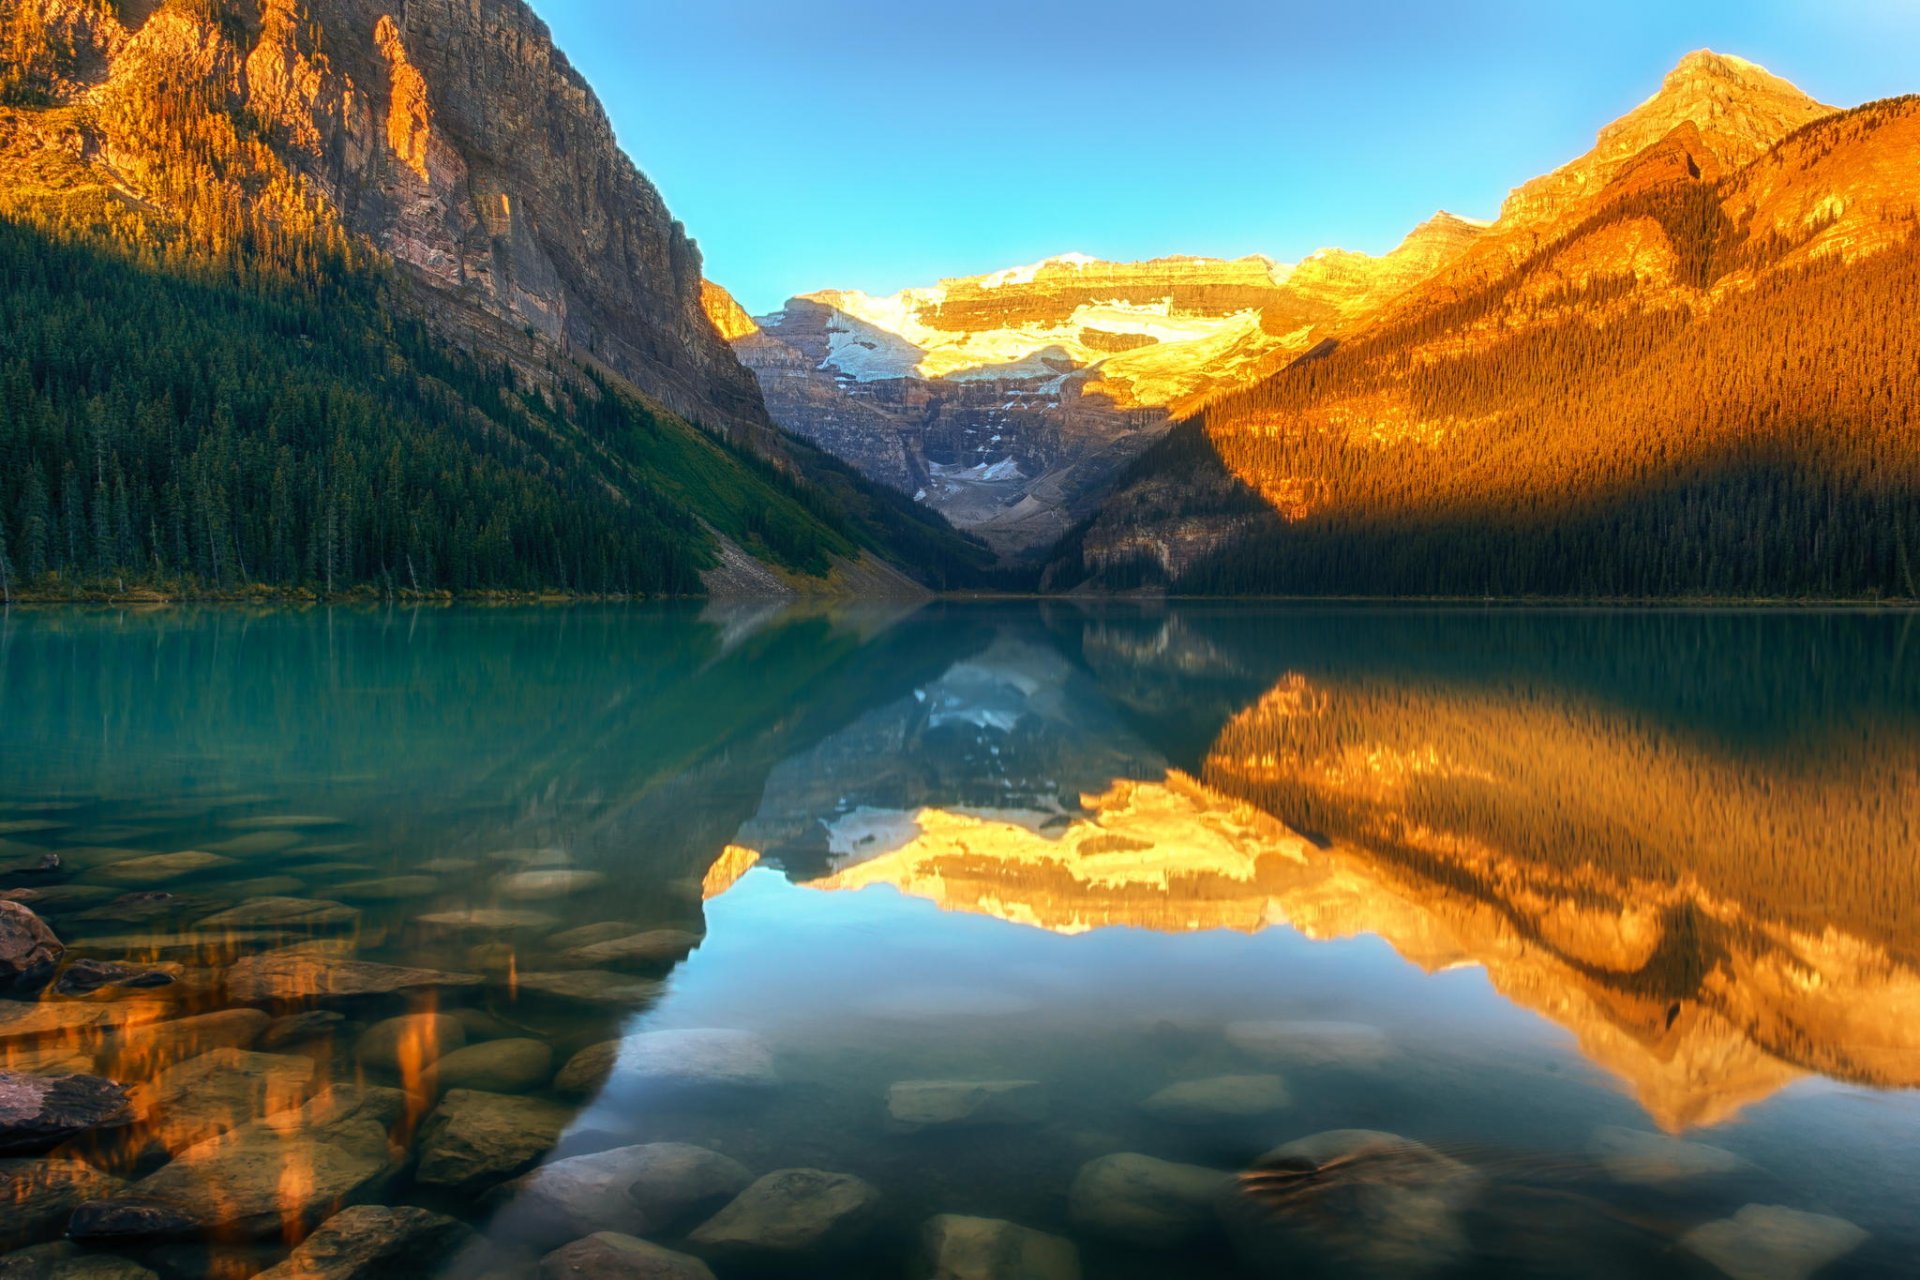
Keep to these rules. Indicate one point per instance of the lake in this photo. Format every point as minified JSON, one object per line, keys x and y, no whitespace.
{"x":975,"y":940}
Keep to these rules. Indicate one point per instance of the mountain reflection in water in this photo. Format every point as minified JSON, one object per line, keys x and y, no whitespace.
{"x":1192,"y":883}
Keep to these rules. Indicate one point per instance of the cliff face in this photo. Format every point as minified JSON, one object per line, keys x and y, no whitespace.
{"x":1010,"y":401}
{"x":453,"y":136}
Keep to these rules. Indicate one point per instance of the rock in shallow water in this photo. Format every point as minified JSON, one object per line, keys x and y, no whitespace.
{"x":1138,"y":1199}
{"x":473,"y":1139}
{"x":792,"y":1211}
{"x":374,"y":1242}
{"x":534,"y":886}
{"x":608,"y":1255}
{"x":1219,"y":1098}
{"x":1653,"y":1159}
{"x":285,"y":1171}
{"x":1312,"y":1044}
{"x":497,"y":1066}
{"x":64,"y":1261}
{"x":587,"y":986}
{"x":1356,"y":1200}
{"x":29,"y":950}
{"x":283,"y":913}
{"x":925,"y":1104}
{"x":653,"y":949}
{"x":642,"y":1190}
{"x":218,"y":1091}
{"x":84,"y":977}
{"x":37,"y":1197}
{"x":38,"y":1113}
{"x":410,"y":1042}
{"x":704,"y":1057}
{"x":325,"y":970}
{"x":1773,"y":1242}
{"x":158,"y":867}
{"x":954,"y":1247}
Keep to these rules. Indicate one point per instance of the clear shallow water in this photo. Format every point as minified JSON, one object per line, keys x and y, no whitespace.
{"x":1536,"y":890}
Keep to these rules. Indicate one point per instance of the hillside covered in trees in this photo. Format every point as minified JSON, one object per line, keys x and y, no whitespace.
{"x":1702,"y":381}
{"x":211,"y":383}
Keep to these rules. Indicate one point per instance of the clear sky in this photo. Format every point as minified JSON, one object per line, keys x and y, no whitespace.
{"x":873,"y":144}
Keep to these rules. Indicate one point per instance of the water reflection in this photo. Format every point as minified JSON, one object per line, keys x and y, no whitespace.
{"x":825,"y":942}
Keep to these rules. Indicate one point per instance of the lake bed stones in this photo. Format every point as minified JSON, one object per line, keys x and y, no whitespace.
{"x":39,"y":1112}
{"x":29,"y":950}
{"x":1219,"y":1099}
{"x":645,"y":1189}
{"x":1312,"y":1044}
{"x":1773,"y":1242}
{"x":957,"y":1247}
{"x":792,"y":1212}
{"x":1654,"y":1159}
{"x":374,"y":1242}
{"x":409,"y":1043}
{"x":913,"y":1105}
{"x":474,"y":1139}
{"x":514,"y":1065}
{"x":682,"y":1059}
{"x":610,"y":1255}
{"x":1138,"y":1199}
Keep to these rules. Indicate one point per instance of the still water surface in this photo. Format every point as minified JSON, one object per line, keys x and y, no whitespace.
{"x":1604,"y":926}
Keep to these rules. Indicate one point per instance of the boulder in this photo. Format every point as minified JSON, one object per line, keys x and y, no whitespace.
{"x":205,"y":1096}
{"x":28,"y":950}
{"x":654,"y":949}
{"x":409,"y":1043}
{"x":587,"y":934}
{"x":1773,"y":1242}
{"x":39,"y":1195}
{"x":38,"y":1113}
{"x":84,"y":977}
{"x":554,"y":882}
{"x":388,"y":888}
{"x":373,"y":1242}
{"x":283,"y":1173}
{"x":1653,"y":1159}
{"x":474,"y":1139}
{"x":497,"y":1066}
{"x":956,"y":1247}
{"x":65,"y":1261}
{"x":608,"y":1255}
{"x":157,"y":868}
{"x":926,"y":1104}
{"x":283,"y":913}
{"x":1312,"y":1044}
{"x":587,"y":986}
{"x":1219,"y":1098}
{"x":696,"y":1058}
{"x":326,"y":971}
{"x":1138,"y":1199}
{"x":643,"y":1190}
{"x":1357,"y":1201}
{"x":792,"y":1212}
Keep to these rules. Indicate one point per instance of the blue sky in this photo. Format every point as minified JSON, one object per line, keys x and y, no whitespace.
{"x":873,"y":144}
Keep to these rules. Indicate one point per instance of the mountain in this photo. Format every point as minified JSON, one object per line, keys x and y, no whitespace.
{"x":1009,"y":402}
{"x":415,"y":228}
{"x":1683,"y":364}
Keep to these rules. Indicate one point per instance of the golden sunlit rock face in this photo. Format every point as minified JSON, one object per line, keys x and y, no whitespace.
{"x":1511,"y":835}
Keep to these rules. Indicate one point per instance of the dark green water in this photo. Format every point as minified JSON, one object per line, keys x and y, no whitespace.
{"x":1610,"y":919}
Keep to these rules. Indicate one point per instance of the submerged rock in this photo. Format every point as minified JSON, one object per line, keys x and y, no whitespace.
{"x":39,"y":1195}
{"x":410,"y":1042}
{"x":179,"y":1038}
{"x":218,"y":1091}
{"x":298,"y":1028}
{"x":65,"y":1261}
{"x":497,"y":1066}
{"x":1773,"y":1242}
{"x":325,"y":970}
{"x":655,"y":948}
{"x":587,"y":934}
{"x":38,"y":1113}
{"x":285,"y":1172}
{"x":924,"y":1104}
{"x":374,"y":1242}
{"x":388,"y":888}
{"x":485,"y":919}
{"x":556,"y":882}
{"x":283,"y":913}
{"x":84,"y":977}
{"x":1357,"y":1200}
{"x":1312,"y":1044}
{"x":20,"y":1020}
{"x":1219,"y":1098}
{"x":955,"y":1247}
{"x":792,"y":1211}
{"x":158,"y":867}
{"x":1142,"y":1200}
{"x":698,"y":1058}
{"x":29,"y":950}
{"x":474,"y":1139}
{"x":608,"y":1255}
{"x":1653,"y":1159}
{"x":644,"y":1190}
{"x":588,"y":986}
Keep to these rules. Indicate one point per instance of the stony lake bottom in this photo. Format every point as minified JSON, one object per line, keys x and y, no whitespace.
{"x":978,"y":941}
